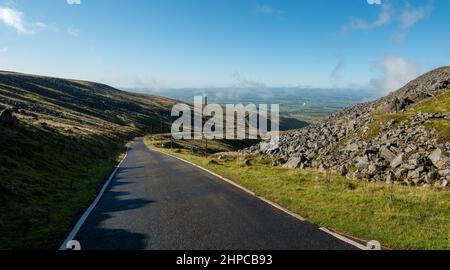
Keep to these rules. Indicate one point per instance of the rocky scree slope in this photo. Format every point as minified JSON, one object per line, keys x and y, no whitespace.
{"x":402,"y":138}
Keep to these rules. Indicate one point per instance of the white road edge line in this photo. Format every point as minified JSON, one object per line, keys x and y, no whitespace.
{"x":277,"y":206}
{"x":88,"y":211}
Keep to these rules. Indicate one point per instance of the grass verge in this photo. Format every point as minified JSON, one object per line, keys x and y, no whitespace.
{"x":46,"y":180}
{"x":397,"y":216}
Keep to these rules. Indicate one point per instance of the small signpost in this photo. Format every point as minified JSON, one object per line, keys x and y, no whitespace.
{"x":204,"y":121}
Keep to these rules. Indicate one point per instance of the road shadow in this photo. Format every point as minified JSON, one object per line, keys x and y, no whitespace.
{"x":105,"y":229}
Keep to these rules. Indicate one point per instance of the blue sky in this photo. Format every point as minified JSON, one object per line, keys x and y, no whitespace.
{"x":222,"y":43}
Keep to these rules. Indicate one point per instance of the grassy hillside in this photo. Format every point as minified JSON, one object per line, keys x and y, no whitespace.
{"x":434,"y":105}
{"x":69,"y":137}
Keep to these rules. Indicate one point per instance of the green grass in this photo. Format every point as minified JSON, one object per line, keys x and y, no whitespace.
{"x":47,"y":179}
{"x":438,"y":104}
{"x":69,"y":138}
{"x":399,"y":217}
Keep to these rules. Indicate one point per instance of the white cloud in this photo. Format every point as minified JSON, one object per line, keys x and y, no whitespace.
{"x":395,"y":72}
{"x":374,"y":2}
{"x":405,"y":14}
{"x":13,"y":18}
{"x":74,"y":2}
{"x":16,"y":19}
{"x":384,"y":17}
{"x":268,"y":10}
{"x":411,"y":16}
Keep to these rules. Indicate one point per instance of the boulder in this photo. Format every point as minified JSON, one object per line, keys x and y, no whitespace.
{"x":278,"y":162}
{"x":438,"y":159}
{"x":352,"y":147}
{"x":387,"y":154}
{"x":397,"y":161}
{"x":444,"y":173}
{"x":294,"y":163}
{"x":373,"y":168}
{"x":413,"y":175}
{"x":390,"y":178}
{"x":362,"y":162}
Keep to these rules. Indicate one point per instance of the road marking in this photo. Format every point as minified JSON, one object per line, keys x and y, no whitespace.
{"x":277,"y":206}
{"x":345,"y":239}
{"x":86,"y":214}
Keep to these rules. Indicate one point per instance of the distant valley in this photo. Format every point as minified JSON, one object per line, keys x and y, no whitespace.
{"x":305,"y":104}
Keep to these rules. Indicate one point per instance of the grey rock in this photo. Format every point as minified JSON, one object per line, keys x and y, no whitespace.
{"x":293,"y":163}
{"x":387,"y":154}
{"x":352,"y":147}
{"x":438,"y":159}
{"x":390,"y":178}
{"x":396,"y":162}
{"x":444,"y":173}
{"x":362,"y":162}
{"x":413,"y":175}
{"x":373,"y":168}
{"x":278,"y":162}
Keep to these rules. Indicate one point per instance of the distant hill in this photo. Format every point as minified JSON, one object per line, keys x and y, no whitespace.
{"x":305,"y":104}
{"x":74,"y":105}
{"x":66,"y":138}
{"x":402,"y":138}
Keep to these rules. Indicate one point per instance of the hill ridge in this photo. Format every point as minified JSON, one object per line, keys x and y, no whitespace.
{"x":401,"y":138}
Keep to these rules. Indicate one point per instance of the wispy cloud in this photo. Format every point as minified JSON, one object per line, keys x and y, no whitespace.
{"x":405,"y":14}
{"x":13,"y":18}
{"x":242,"y":82}
{"x":74,"y":2}
{"x":394,"y":72}
{"x":336,"y":72}
{"x":410,"y":16}
{"x":268,"y":10}
{"x":384,"y":17}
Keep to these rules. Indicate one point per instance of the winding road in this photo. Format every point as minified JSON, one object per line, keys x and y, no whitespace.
{"x":157,"y":202}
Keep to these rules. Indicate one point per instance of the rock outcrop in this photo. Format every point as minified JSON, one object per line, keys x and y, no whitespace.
{"x":376,"y":141}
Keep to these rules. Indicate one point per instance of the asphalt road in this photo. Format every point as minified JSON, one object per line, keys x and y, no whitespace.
{"x":156,"y":202}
